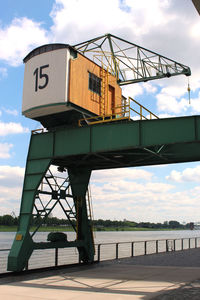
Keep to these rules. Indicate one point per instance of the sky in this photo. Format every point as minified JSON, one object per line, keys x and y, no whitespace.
{"x":168,"y":27}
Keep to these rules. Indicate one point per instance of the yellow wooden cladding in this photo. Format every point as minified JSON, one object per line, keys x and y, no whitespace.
{"x":79,"y":93}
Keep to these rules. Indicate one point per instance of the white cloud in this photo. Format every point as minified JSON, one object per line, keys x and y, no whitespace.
{"x":195,"y":104}
{"x":125,"y":173}
{"x":187,"y":175}
{"x":169,"y":104}
{"x":174,"y":176}
{"x":5,"y":150}
{"x":11,"y":179}
{"x":11,"y":176}
{"x":121,"y":189}
{"x":138,"y":89}
{"x":132,"y":90}
{"x":144,"y":12}
{"x":149,"y":88}
{"x":12,"y":128}
{"x":73,"y":20}
{"x":163,"y":116}
{"x":128,"y":193}
{"x":3,"y":73}
{"x":174,"y":91}
{"x":144,"y":202}
{"x":118,"y":195}
{"x":18,"y":38}
{"x":153,"y":202}
{"x":195,"y":30}
{"x":12,"y":112}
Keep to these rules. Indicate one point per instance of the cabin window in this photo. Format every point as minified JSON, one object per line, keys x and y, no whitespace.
{"x":94,"y":83}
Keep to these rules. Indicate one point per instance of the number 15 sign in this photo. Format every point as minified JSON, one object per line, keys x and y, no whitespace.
{"x":45,"y":82}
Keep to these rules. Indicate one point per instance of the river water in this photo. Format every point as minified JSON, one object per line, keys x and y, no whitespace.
{"x":6,"y":238}
{"x":44,"y":258}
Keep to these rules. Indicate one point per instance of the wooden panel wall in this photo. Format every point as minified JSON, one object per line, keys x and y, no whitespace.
{"x":79,"y":92}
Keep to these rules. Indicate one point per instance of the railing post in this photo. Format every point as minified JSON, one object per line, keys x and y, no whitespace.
{"x":145,"y":248}
{"x":140,"y":112}
{"x":156,"y":246}
{"x":99,"y":253}
{"x":182,"y":244}
{"x":132,"y":249}
{"x":174,"y":245}
{"x":56,"y":257}
{"x":167,"y":249}
{"x":117,"y":250}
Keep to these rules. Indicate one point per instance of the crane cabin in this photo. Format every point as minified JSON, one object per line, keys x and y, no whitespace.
{"x":62,"y":86}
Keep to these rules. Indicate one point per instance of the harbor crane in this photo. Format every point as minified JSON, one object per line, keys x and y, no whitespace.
{"x":75,"y":93}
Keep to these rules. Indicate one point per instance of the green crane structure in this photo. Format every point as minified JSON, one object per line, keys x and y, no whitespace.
{"x":129,"y":62}
{"x":80,"y":150}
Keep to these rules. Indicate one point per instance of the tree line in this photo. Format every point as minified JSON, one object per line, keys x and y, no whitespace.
{"x":9,"y":220}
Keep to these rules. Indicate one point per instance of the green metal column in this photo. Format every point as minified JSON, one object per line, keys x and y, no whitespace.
{"x":23,"y":245}
{"x":79,"y":179}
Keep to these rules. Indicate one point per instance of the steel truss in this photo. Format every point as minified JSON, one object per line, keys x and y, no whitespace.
{"x":129,"y":62}
{"x":54,"y":190}
{"x":43,"y":190}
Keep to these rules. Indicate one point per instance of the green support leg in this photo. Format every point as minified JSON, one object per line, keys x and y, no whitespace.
{"x":23,"y":246}
{"x":79,"y":179}
{"x":40,"y":157}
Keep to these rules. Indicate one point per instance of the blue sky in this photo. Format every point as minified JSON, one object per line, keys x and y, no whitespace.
{"x":169,"y":27}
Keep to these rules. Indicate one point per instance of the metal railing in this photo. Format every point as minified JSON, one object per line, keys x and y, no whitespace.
{"x":37,"y":131}
{"x":137,"y":248}
{"x":104,"y":251}
{"x":121,"y":112}
{"x":140,"y":110}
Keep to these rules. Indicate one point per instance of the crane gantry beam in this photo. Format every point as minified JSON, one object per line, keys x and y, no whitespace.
{"x":197,"y":5}
{"x":129,"y":62}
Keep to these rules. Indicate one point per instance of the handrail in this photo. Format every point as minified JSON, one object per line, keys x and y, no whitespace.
{"x":121,"y":112}
{"x":167,"y":245}
{"x":142,"y":107}
{"x":37,"y":131}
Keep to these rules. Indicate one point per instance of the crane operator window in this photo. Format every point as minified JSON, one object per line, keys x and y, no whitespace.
{"x":94,"y":83}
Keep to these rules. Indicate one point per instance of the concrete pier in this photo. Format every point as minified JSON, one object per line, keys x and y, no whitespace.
{"x":164,"y":276}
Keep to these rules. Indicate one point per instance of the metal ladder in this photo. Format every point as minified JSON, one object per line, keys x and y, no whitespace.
{"x":104,"y":90}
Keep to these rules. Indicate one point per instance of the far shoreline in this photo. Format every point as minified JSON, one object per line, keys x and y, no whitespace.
{"x":104,"y":229}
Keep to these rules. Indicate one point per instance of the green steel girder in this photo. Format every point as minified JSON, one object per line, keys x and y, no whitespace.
{"x":83,"y":149}
{"x":23,"y":244}
{"x":79,"y":179}
{"x":123,"y":144}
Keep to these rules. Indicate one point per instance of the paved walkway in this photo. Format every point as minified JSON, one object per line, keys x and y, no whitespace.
{"x":167,"y":276}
